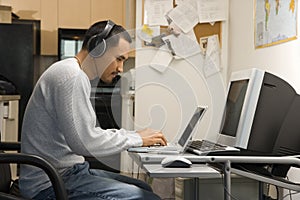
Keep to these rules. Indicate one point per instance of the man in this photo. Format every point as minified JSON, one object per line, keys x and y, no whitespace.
{"x":60,"y":124}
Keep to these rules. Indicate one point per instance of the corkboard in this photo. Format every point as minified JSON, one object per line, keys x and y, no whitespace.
{"x":201,"y":30}
{"x":206,"y":29}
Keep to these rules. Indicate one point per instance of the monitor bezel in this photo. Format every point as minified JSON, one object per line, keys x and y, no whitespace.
{"x":255,"y":79}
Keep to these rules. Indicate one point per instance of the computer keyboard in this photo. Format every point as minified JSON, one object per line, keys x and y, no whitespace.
{"x":205,"y":145}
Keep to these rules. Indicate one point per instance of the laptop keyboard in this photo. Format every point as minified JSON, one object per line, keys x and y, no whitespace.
{"x":204,"y":145}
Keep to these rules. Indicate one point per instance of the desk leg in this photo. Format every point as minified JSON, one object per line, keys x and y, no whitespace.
{"x":196,"y":188}
{"x":261,"y":190}
{"x":227,"y":181}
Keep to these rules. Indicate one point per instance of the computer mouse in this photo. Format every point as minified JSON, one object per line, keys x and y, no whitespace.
{"x":176,"y":161}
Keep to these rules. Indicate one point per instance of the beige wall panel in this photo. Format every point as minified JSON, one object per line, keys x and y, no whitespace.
{"x":108,"y":9}
{"x":74,"y":13}
{"x":49,"y":24}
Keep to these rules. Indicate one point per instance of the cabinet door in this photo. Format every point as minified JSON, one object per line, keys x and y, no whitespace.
{"x":108,"y":9}
{"x":29,"y":9}
{"x":74,"y":14}
{"x":49,"y":22}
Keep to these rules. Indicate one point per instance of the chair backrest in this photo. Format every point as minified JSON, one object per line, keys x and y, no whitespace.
{"x":5,"y":177}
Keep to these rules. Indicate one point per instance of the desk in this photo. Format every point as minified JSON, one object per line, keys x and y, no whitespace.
{"x":227,"y":160}
{"x":205,"y":179}
{"x":155,"y":170}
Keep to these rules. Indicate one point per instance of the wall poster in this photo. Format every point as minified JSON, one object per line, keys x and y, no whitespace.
{"x":275,"y":22}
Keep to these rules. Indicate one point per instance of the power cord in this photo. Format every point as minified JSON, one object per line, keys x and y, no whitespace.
{"x":226,"y":190}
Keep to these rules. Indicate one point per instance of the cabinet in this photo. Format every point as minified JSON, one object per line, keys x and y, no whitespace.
{"x":69,"y":14}
{"x":17,"y":62}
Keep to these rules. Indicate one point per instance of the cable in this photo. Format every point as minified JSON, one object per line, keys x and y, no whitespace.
{"x":290,"y":194}
{"x":226,"y":190}
{"x":138,"y":173}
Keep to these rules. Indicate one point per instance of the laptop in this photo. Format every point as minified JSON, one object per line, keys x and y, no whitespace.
{"x":179,"y":145}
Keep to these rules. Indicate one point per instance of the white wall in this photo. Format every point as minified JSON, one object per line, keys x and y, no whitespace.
{"x":282,"y":60}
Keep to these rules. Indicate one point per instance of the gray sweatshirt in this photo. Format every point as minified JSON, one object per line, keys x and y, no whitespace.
{"x":60,"y":125}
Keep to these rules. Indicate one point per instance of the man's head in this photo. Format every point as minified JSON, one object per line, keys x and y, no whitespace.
{"x":108,"y":45}
{"x":99,"y":33}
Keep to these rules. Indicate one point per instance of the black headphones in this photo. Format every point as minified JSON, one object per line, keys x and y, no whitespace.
{"x":97,"y":44}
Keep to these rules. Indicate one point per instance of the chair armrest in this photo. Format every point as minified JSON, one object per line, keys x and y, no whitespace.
{"x":10,"y":146}
{"x":55,"y":178}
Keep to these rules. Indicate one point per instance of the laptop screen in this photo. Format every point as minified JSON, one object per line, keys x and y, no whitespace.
{"x":191,"y":125}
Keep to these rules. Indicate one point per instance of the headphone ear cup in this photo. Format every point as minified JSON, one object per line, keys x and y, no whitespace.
{"x":96,"y":47}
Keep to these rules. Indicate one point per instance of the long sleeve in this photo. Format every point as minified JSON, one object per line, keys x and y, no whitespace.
{"x":77,"y":120}
{"x":60,"y":123}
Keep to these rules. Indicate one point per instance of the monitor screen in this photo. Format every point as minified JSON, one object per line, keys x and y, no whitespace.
{"x":234,"y":105}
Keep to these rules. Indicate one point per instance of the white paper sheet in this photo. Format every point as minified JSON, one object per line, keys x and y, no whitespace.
{"x":211,"y":10}
{"x":182,"y":45}
{"x":212,"y":57}
{"x":155,"y":11}
{"x":184,"y":16}
{"x":162,"y":59}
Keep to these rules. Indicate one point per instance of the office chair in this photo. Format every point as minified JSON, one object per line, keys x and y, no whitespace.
{"x":9,"y":191}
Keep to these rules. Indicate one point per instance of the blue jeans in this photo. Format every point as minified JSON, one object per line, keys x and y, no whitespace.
{"x":83,"y":183}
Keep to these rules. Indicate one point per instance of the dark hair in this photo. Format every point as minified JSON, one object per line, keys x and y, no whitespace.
{"x":117,"y":31}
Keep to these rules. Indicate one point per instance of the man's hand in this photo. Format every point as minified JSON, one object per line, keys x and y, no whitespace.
{"x":152,"y":137}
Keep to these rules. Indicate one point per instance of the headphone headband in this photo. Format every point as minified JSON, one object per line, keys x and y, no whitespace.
{"x":97,"y":44}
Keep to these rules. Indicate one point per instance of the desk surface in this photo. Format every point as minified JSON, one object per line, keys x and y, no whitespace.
{"x":9,"y":97}
{"x":197,"y":170}
{"x":155,"y":170}
{"x":152,"y":158}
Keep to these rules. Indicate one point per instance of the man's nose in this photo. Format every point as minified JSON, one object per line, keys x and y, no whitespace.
{"x":120,"y":67}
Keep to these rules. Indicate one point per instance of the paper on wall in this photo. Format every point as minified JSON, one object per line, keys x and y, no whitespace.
{"x":184,"y":16}
{"x":155,"y":11}
{"x":212,"y":57}
{"x":191,"y":2}
{"x":211,"y":10}
{"x":182,"y":45}
{"x":146,"y":33}
{"x":162,"y":59}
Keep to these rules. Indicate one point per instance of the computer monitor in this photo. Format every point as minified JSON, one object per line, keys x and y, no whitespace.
{"x":242,"y":97}
{"x":288,"y":140}
{"x":257,"y":102}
